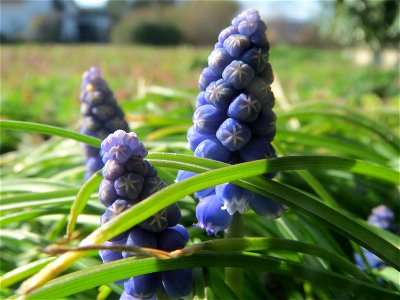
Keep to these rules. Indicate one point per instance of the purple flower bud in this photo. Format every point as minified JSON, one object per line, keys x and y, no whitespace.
{"x":195,"y":138}
{"x":212,"y":149}
{"x":172,"y":238}
{"x":167,"y":217}
{"x":256,"y":58}
{"x":220,"y":94}
{"x":247,"y":28}
{"x":234,"y":197}
{"x":139,"y":237}
{"x":207,"y":119}
{"x":257,"y":148}
{"x":259,"y":38}
{"x":140,"y":166}
{"x":238,"y":74}
{"x":233,"y":134}
{"x":177,"y":283}
{"x":210,"y":216}
{"x":119,"y":153}
{"x":218,"y":45}
{"x":121,"y":145}
{"x":206,"y":77}
{"x":266,"y":207}
{"x":113,"y":210}
{"x":258,"y":87}
{"x":143,"y":286}
{"x":151,"y":185}
{"x":107,"y":193}
{"x":225,"y":33}
{"x":112,"y":170}
{"x":236,"y":45}
{"x":218,"y":60}
{"x":267,"y":74}
{"x":244,"y":108}
{"x":264,"y":125}
{"x":129,"y":185}
{"x":201,"y":100}
{"x":109,"y":255}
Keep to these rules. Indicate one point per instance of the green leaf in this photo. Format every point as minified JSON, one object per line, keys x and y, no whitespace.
{"x":23,"y":272}
{"x":81,"y":199}
{"x":49,"y":130}
{"x":81,"y":280}
{"x":271,"y":189}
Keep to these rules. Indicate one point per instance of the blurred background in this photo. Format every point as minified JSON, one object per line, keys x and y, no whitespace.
{"x":341,"y":51}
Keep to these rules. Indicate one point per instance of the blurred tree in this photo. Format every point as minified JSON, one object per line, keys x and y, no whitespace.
{"x":46,"y":28}
{"x":196,"y":22}
{"x":375,"y":22}
{"x":202,"y":21}
{"x":144,"y":3}
{"x":118,"y":8}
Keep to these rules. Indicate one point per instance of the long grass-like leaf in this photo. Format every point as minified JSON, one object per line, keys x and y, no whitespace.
{"x":49,"y":130}
{"x":81,"y":199}
{"x":286,"y":195}
{"x":125,"y":268}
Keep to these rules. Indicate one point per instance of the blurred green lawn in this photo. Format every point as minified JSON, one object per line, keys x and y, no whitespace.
{"x":41,"y":83}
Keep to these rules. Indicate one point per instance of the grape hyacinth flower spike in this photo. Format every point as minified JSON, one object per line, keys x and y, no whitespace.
{"x":234,"y":121}
{"x":101,"y":115}
{"x":383,"y":218}
{"x":129,"y":179}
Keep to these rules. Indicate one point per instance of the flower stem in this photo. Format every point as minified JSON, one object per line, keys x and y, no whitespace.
{"x":234,"y":276}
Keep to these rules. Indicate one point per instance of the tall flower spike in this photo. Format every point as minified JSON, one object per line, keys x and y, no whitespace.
{"x":234,"y":121}
{"x":129,"y":179}
{"x":101,"y":115}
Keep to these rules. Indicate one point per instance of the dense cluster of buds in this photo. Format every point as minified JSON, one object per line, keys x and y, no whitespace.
{"x":128,"y":179}
{"x":234,"y":121}
{"x":381,"y":217}
{"x":101,"y":116}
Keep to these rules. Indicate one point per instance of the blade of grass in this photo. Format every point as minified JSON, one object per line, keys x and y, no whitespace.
{"x":81,"y":280}
{"x":48,"y":130}
{"x":81,"y":199}
{"x":277,"y":191}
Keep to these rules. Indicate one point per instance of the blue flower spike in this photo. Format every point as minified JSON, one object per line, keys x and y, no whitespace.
{"x":129,"y":179}
{"x":234,"y":121}
{"x":383,"y":218}
{"x":101,"y":116}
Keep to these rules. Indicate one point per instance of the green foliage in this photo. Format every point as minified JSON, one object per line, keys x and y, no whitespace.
{"x":157,"y":33}
{"x":338,"y":144}
{"x":373,"y":22}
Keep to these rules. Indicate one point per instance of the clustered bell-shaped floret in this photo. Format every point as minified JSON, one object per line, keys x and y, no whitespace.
{"x":381,"y":217}
{"x":101,"y":115}
{"x":234,"y":121}
{"x":128,"y":179}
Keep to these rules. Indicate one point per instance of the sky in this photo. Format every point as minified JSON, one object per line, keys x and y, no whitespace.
{"x":298,"y":10}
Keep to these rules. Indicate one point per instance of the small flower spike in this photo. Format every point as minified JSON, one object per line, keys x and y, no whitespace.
{"x":101,"y":116}
{"x":381,"y":217}
{"x":234,"y":121}
{"x":129,"y":179}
